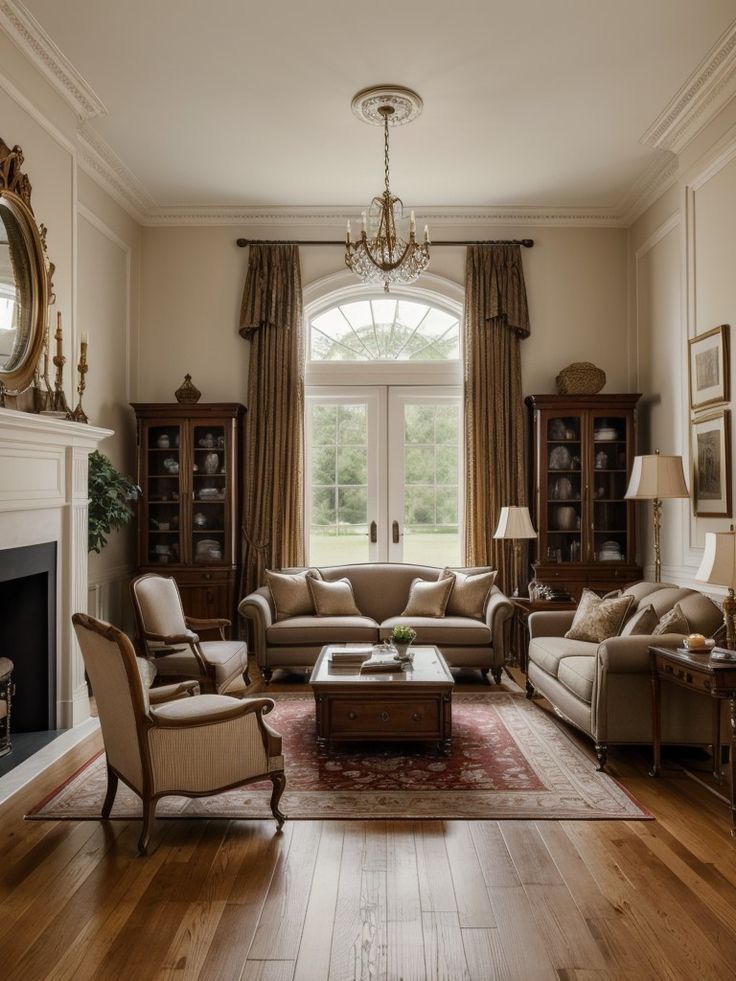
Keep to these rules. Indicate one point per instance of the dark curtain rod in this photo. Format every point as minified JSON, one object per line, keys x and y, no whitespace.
{"x":527,"y":243}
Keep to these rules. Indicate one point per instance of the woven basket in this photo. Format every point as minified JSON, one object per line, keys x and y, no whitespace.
{"x":581,"y":378}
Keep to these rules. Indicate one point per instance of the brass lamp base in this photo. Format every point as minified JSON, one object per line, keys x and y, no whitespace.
{"x":657,"y":508}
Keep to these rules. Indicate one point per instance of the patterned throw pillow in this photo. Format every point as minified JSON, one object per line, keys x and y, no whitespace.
{"x":673,"y":622}
{"x":428,"y":599}
{"x":290,"y":593}
{"x":642,"y":623}
{"x":333,"y":599}
{"x":598,"y":619}
{"x":470,"y":594}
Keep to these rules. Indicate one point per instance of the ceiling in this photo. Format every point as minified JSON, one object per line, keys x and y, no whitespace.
{"x":531,"y":103}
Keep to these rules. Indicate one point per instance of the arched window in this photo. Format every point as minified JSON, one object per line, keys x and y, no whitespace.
{"x":383,"y":423}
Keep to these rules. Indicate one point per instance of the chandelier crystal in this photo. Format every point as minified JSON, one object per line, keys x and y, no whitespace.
{"x":385,"y":256}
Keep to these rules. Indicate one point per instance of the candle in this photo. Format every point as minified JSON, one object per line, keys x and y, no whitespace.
{"x":58,"y":335}
{"x":426,"y":234}
{"x":85,"y":338}
{"x":365,"y":221}
{"x":412,"y":225}
{"x":348,"y":230}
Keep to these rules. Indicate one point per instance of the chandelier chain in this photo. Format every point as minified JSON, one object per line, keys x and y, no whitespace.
{"x":385,"y":152}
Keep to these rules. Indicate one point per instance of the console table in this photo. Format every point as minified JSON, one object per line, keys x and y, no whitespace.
{"x":697,"y":672}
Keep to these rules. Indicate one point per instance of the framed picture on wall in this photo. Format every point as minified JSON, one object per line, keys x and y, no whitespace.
{"x":709,"y":368}
{"x":712,"y":465}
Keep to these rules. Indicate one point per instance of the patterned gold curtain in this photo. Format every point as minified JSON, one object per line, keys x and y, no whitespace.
{"x":496,"y":319}
{"x":271,"y":319}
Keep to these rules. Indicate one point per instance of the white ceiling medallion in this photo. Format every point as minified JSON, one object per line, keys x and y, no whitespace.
{"x":405,"y":103}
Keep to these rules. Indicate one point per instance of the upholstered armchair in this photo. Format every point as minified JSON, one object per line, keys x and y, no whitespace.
{"x":166,"y":634}
{"x":171,"y":740}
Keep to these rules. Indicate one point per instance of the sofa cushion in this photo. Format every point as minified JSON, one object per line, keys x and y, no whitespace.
{"x":547,"y":652}
{"x":395,"y":579}
{"x":470,"y":594}
{"x":598,"y":619}
{"x":229,"y":657}
{"x":643,"y":622}
{"x":447,"y":630}
{"x":333,"y":599}
{"x":428,"y":599}
{"x":576,"y":674}
{"x":672,"y":622}
{"x":323,"y":630}
{"x":290,"y":593}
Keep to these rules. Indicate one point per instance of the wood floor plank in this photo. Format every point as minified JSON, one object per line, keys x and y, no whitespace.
{"x":495,"y":861}
{"x":268,"y":971}
{"x":405,"y":935}
{"x":444,"y":953}
{"x":484,"y":955}
{"x":280,"y":926}
{"x":473,"y":903}
{"x":532,"y":860}
{"x":435,"y":879}
{"x":313,"y":961}
{"x":521,"y":941}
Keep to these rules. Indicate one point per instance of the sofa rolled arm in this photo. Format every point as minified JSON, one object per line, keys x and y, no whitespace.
{"x":499,"y":614}
{"x":550,"y":623}
{"x":630,"y":655}
{"x":256,"y":607}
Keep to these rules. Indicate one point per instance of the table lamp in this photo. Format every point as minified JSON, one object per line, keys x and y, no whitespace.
{"x":515,"y":523}
{"x":719,"y":567}
{"x":656,"y":477}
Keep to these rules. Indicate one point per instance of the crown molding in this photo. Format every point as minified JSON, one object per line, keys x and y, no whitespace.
{"x":660,"y":174}
{"x":27,"y":34}
{"x":328,"y":217}
{"x":703,"y":95}
{"x":97,"y":159}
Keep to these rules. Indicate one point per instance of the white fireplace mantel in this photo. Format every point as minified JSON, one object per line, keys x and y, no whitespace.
{"x":43,"y":498}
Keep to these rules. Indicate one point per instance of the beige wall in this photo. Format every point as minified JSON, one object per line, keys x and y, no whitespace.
{"x":683,"y":284}
{"x":193,"y":279}
{"x":96,"y":248}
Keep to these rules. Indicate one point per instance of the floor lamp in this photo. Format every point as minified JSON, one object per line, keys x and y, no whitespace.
{"x":719,"y":567}
{"x":657,"y":477}
{"x":515,"y":523}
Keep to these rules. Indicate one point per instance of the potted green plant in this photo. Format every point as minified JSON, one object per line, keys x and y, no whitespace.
{"x":110,"y":497}
{"x":402,"y":638}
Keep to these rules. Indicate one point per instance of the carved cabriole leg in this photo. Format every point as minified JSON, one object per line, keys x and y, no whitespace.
{"x":733,"y":764}
{"x":601,"y":751}
{"x":267,"y":674}
{"x":112,"y":787}
{"x":529,"y":689}
{"x":496,"y":672}
{"x":716,"y":740}
{"x":246,"y":677}
{"x":279,"y":782}
{"x":149,"y":814}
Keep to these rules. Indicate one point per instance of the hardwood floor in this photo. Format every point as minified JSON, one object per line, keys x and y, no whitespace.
{"x":387,"y":899}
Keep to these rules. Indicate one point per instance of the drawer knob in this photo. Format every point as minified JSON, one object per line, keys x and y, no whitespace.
{"x":208,"y":575}
{"x":416,"y":717}
{"x":352,"y":716}
{"x":384,"y":716}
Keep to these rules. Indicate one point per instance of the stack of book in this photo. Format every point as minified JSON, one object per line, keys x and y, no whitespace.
{"x":381,"y":662}
{"x":350,"y":657}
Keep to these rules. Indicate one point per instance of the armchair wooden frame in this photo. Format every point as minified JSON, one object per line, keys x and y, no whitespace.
{"x":190,"y":638}
{"x":146,"y":722}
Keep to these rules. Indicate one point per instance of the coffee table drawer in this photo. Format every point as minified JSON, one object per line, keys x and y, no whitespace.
{"x":381,"y":716}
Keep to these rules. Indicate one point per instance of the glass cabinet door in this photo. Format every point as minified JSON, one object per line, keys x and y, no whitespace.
{"x":162,"y":493}
{"x":210,"y":531}
{"x":610,"y":517}
{"x":562,"y":451}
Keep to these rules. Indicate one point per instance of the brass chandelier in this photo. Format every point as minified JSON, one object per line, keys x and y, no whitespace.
{"x":381,"y":254}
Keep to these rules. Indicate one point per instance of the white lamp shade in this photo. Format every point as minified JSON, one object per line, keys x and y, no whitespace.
{"x":719,"y":559}
{"x":515,"y":522}
{"x":657,"y":475}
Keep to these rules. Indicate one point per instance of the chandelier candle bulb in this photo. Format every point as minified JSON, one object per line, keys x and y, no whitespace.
{"x":348,"y":233}
{"x":413,"y":225}
{"x":364,"y":215}
{"x":426,"y":234}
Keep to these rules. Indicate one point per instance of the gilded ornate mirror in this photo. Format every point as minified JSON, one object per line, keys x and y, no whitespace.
{"x":24,"y":276}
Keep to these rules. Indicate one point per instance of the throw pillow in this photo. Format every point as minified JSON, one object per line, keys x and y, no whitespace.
{"x":333,"y":599}
{"x":597,"y":619}
{"x":428,"y":599}
{"x":470,"y":594}
{"x":643,"y":622}
{"x":673,"y":622}
{"x":290,"y":593}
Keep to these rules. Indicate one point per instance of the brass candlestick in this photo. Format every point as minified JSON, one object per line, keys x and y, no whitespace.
{"x":79,"y":414}
{"x":58,"y":399}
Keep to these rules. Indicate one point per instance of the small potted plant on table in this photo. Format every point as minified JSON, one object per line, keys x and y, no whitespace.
{"x":402,"y":638}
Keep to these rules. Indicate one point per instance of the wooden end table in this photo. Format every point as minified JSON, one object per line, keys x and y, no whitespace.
{"x":411,"y":705}
{"x":524,"y":606}
{"x":696,"y":672}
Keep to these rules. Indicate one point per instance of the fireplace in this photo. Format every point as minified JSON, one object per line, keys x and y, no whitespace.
{"x":28,"y":633}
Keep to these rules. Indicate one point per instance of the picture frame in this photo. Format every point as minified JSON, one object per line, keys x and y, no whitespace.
{"x":711,"y":455}
{"x":709,"y":367}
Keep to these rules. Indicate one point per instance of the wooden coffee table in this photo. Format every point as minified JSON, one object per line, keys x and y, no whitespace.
{"x":411,"y":705}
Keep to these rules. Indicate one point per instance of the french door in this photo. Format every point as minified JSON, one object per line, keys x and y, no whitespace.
{"x":383,"y":466}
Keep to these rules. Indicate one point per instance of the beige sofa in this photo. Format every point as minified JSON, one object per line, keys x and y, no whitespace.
{"x":381,"y":591}
{"x":605,"y":689}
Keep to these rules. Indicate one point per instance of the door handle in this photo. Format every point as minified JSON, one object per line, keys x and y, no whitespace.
{"x":373,"y":533}
{"x":395,"y":532}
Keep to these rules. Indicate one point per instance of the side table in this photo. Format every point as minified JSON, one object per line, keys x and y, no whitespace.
{"x":524,"y":606}
{"x":696,"y":672}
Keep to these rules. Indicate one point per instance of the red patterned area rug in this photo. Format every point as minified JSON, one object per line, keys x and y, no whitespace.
{"x":510,"y":759}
